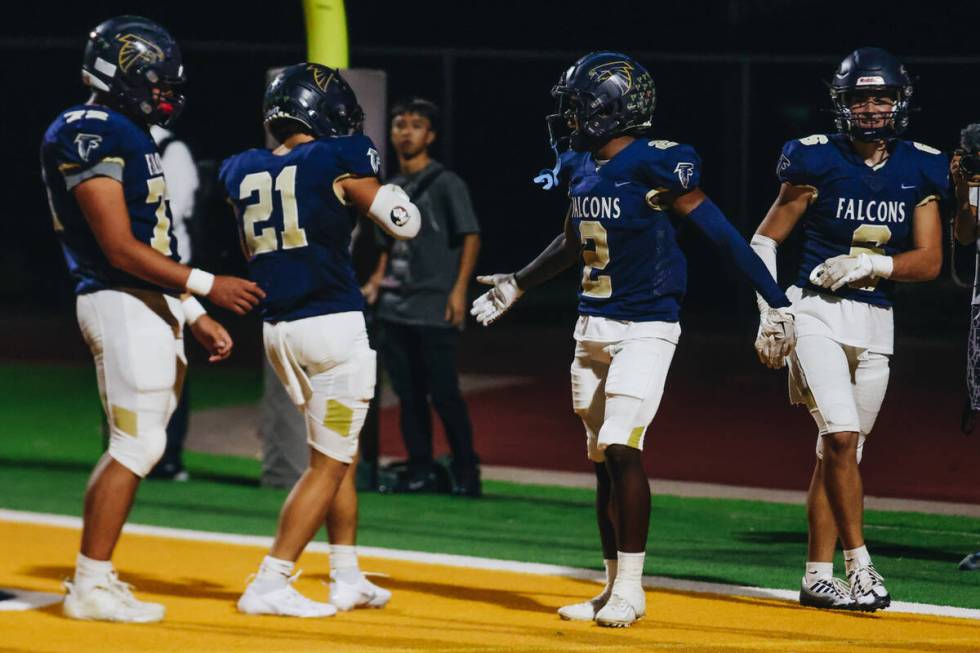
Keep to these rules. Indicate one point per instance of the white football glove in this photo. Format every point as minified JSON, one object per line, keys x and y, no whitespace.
{"x":776,"y":338}
{"x":841,"y":270}
{"x":489,"y":306}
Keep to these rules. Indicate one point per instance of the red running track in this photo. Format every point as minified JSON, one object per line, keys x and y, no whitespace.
{"x":724,"y":418}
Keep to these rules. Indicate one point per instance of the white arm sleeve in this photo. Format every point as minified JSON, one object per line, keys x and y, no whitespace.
{"x":394,"y":212}
{"x":765,"y":248}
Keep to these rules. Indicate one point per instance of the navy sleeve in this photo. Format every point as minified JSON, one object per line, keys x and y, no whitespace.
{"x":935,"y":173}
{"x":358,"y":156}
{"x":88,"y":145}
{"x":673,"y":167}
{"x":797,"y":160}
{"x":710,"y":220}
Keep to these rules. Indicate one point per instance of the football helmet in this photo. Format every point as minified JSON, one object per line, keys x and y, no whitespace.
{"x":136,"y":65}
{"x":877,"y":70}
{"x":316,"y":96}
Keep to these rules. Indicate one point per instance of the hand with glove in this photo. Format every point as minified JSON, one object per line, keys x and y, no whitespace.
{"x":839,"y":271}
{"x":488,"y":307}
{"x":776,"y":338}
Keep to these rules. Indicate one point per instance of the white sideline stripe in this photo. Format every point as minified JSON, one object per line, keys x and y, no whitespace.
{"x":471,"y":562}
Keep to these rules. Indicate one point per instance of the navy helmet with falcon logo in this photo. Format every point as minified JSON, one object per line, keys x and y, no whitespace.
{"x":316,"y":96}
{"x":602,"y":95}
{"x":871,"y":70}
{"x":137,"y":67}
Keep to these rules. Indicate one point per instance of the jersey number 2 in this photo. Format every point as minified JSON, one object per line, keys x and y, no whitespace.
{"x":266,"y":240}
{"x":595,"y":258}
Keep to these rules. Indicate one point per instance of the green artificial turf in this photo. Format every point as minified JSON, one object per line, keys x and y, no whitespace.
{"x":50,"y":438}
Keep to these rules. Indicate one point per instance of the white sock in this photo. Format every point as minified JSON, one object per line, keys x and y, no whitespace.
{"x":273,"y":574}
{"x":343,"y":563}
{"x":856,"y":558}
{"x":818,"y":570}
{"x":611,"y":569}
{"x":89,"y":572}
{"x":629,"y":569}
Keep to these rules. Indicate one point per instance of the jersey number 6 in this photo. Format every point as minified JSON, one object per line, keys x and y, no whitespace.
{"x":266,"y":240}
{"x":595,"y":257}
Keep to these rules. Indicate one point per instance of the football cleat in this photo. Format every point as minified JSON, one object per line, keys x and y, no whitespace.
{"x":970,"y":562}
{"x":586,"y":610}
{"x":828,"y":593}
{"x":623,"y":609}
{"x":868,"y":589}
{"x":112,"y":600}
{"x":284,"y":601}
{"x":362,"y":594}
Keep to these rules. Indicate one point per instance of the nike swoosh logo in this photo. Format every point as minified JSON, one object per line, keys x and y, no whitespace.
{"x":621,"y":183}
{"x":904,"y":187}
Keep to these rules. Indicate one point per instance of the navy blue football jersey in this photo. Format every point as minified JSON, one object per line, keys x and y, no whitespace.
{"x":89,"y":141}
{"x":857,"y":208}
{"x":632,"y":267}
{"x":297,"y":232}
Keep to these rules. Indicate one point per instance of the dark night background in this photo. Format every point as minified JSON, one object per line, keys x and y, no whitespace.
{"x":496,"y":63}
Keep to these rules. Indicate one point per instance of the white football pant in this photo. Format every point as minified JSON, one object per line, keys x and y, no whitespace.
{"x":329,"y":370}
{"x":136,"y":339}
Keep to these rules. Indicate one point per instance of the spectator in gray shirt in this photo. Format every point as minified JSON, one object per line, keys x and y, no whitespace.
{"x":420,"y":289}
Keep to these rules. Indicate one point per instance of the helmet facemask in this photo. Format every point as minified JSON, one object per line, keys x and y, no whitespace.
{"x":870,"y":126}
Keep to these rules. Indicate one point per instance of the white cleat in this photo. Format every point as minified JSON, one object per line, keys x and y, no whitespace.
{"x":868,"y":589}
{"x":827,"y":593}
{"x":284,"y":601}
{"x":620,"y":611}
{"x":110,"y":601}
{"x":362,"y":594}
{"x":584,"y":611}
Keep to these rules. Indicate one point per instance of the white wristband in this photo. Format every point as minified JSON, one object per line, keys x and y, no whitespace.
{"x":881,"y":266}
{"x":192,"y":310}
{"x":199,"y":282}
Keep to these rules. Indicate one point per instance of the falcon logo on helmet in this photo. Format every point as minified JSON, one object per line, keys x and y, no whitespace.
{"x":321,"y":76}
{"x":619,"y":70}
{"x":137,"y":50}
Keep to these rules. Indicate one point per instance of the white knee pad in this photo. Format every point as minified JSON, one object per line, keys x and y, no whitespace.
{"x":336,"y":411}
{"x":137,"y":440}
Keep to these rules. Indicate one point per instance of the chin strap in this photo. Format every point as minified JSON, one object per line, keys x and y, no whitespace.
{"x":548,"y":179}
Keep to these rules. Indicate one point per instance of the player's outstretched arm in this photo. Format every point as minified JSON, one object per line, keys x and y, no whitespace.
{"x":707,"y":217}
{"x":559,"y":255}
{"x":102,"y":202}
{"x":388,"y":206}
{"x":777,"y":336}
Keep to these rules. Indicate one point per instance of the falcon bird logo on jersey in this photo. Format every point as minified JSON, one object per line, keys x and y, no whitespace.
{"x":87,"y":143}
{"x":684,"y":173}
{"x":375,"y":160}
{"x":137,"y":49}
{"x":321,"y":78}
{"x":621,"y":70}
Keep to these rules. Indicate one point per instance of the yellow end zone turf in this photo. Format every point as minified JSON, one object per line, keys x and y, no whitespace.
{"x":435,"y":608}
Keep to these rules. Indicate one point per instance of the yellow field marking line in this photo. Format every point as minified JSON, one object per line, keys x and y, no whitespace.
{"x":436,"y":607}
{"x":471,"y":562}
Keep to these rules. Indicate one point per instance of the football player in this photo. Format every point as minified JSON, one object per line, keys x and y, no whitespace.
{"x":625,"y":190}
{"x":869,"y":204}
{"x":296,"y":207}
{"x":109,"y":205}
